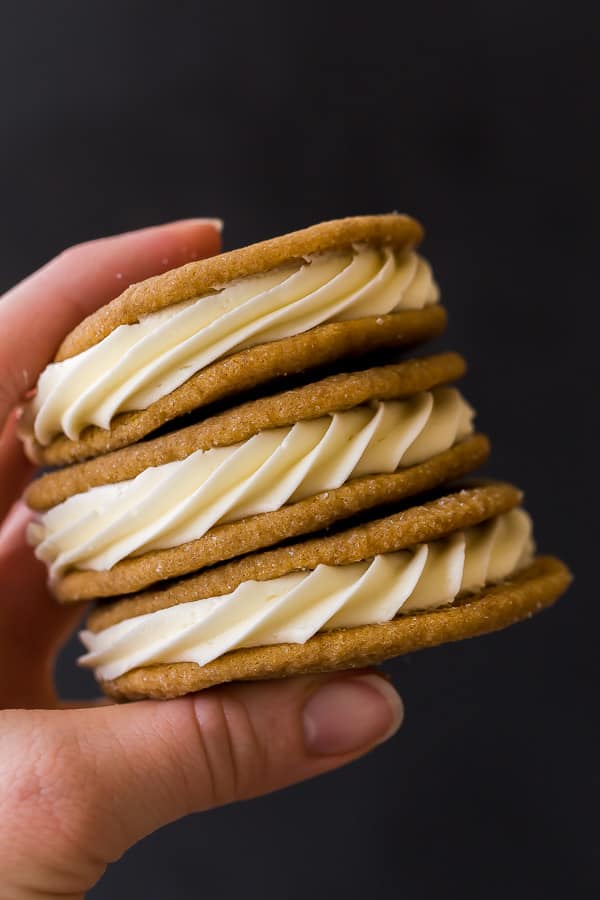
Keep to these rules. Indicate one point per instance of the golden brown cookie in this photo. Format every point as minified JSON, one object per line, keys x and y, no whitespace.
{"x":265,"y":529}
{"x":520,"y":597}
{"x":205,"y":275}
{"x":333,"y":394}
{"x":241,"y":372}
{"x":416,"y":525}
{"x":247,"y":368}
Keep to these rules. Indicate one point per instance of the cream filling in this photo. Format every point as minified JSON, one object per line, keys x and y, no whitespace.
{"x":135,"y":365}
{"x":293,"y":608}
{"x":168,"y":505}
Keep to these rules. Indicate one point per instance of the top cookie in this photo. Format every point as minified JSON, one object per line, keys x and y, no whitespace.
{"x":222,"y":325}
{"x":211,"y":274}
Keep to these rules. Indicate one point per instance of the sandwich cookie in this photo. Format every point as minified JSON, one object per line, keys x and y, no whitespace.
{"x":221,"y":326}
{"x":455,"y":567}
{"x":256,"y":475}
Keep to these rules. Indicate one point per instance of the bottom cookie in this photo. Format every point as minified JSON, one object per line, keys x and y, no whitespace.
{"x":531,"y":590}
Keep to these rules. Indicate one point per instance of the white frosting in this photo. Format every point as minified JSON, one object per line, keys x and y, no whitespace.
{"x":293,"y":608}
{"x":168,"y":505}
{"x":138,"y":364}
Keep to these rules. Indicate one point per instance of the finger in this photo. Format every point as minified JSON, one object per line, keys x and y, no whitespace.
{"x":85,"y":704}
{"x":76,"y":283}
{"x":124,"y":771}
{"x":32,"y":624}
{"x":15,"y":469}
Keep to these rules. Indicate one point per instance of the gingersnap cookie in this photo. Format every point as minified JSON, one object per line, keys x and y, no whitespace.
{"x":333,"y":394}
{"x":452,"y":568}
{"x":253,"y":476}
{"x":209,"y":329}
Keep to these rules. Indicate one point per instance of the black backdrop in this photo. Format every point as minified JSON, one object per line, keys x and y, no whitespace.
{"x":477,"y":117}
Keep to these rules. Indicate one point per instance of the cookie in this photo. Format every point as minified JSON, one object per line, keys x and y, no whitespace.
{"x":333,"y":394}
{"x":261,"y":473}
{"x":220,"y":326}
{"x":452,"y":568}
{"x":417,"y":524}
{"x":535,"y":588}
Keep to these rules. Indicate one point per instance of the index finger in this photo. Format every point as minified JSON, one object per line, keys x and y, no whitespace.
{"x":37,"y":313}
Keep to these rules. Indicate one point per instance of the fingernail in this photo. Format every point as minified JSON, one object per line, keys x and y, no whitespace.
{"x":351,"y":713}
{"x":216,"y":223}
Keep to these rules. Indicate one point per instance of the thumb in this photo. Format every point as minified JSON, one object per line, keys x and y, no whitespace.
{"x":111,"y":775}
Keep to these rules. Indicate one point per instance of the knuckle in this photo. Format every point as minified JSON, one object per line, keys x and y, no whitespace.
{"x":235,"y":758}
{"x":69,"y":254}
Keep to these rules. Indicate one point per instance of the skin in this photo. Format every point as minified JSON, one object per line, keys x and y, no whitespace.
{"x":79,"y":785}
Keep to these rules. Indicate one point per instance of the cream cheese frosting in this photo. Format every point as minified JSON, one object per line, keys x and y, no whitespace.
{"x":138,"y":364}
{"x":292,"y":608}
{"x":171,"y":504}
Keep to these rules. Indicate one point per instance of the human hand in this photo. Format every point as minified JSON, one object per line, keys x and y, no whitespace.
{"x":78,"y":786}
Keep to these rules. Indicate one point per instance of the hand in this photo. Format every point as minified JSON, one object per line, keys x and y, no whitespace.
{"x":80,"y":785}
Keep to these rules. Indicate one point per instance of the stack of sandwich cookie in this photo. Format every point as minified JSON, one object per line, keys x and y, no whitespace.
{"x":166,"y":529}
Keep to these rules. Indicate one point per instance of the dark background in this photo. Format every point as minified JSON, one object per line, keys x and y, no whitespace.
{"x":477,"y":117}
